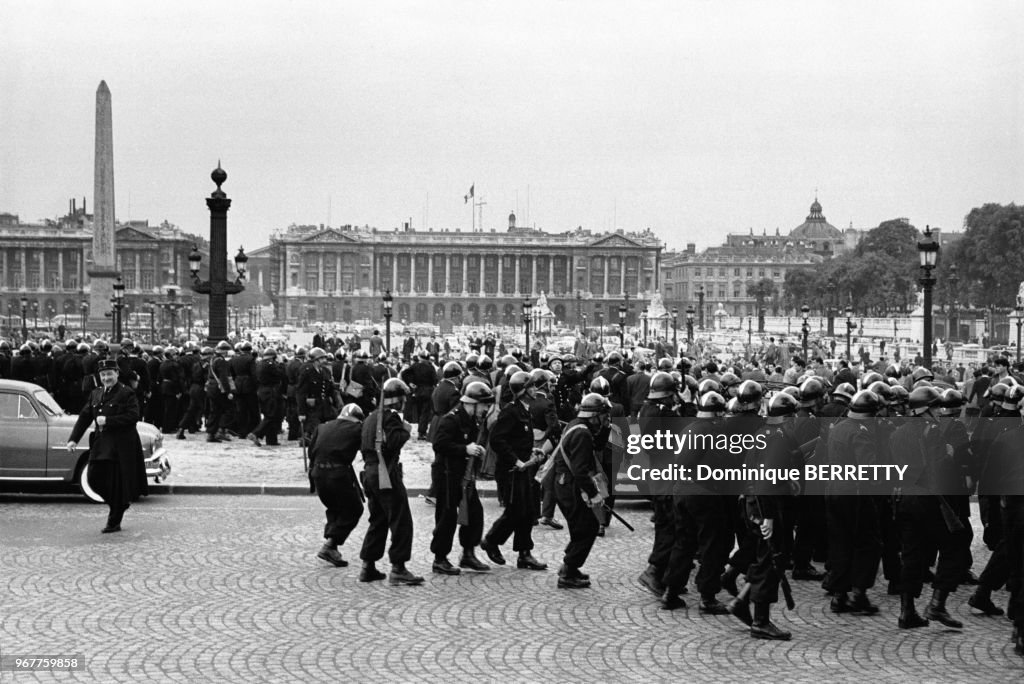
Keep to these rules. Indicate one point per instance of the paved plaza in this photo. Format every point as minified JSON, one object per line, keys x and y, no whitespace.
{"x":227,"y":588}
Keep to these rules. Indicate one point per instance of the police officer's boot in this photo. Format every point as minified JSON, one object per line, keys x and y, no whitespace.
{"x":860,"y":604}
{"x":649,"y":578}
{"x":710,"y":605}
{"x":526,"y":561}
{"x":763,"y":628}
{"x":370,"y":573}
{"x":114,"y":520}
{"x":981,"y":600}
{"x":181,"y":433}
{"x":936,"y":610}
{"x":909,"y":618}
{"x":442,"y":566}
{"x":671,"y":600}
{"x":329,"y":553}
{"x":400,"y":575}
{"x":469,"y":561}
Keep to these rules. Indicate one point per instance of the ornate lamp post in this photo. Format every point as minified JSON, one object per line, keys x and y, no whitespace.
{"x":24,"y":319}
{"x":527,"y":310}
{"x":1020,"y":321}
{"x":643,"y":317}
{"x":218,"y":287}
{"x":953,"y":280}
{"x":805,"y":328}
{"x":584,"y":325}
{"x":150,"y":308}
{"x":388,"y":303}
{"x":750,"y":332}
{"x":118,"y":306}
{"x":850,"y":325}
{"x":831,"y":288}
{"x":675,"y":329}
{"x":689,"y":323}
{"x":84,"y":308}
{"x":622,"y":326}
{"x":928,"y":250}
{"x":35,"y":316}
{"x":700,"y":307}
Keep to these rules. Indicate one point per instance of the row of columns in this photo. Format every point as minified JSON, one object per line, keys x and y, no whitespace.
{"x":22,"y":257}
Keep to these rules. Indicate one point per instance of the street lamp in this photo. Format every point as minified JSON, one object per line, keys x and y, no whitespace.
{"x":388,"y":303}
{"x":218,"y":287}
{"x":750,"y":332}
{"x":831,"y":288}
{"x":675,"y":329}
{"x":806,"y":328}
{"x":850,"y":325}
{"x":584,"y":325}
{"x":689,"y":323}
{"x":622,"y":326}
{"x":1020,"y":321}
{"x":35,"y":316}
{"x":953,"y":328}
{"x":24,"y":319}
{"x":527,"y":310}
{"x":84,"y":308}
{"x":643,"y":317}
{"x":927,"y":250}
{"x":118,"y":306}
{"x":150,"y":307}
{"x":700,"y":307}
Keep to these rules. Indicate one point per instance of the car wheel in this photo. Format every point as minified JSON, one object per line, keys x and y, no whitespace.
{"x":83,"y":482}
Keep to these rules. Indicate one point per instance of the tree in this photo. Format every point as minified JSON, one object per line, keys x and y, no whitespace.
{"x":989,"y":257}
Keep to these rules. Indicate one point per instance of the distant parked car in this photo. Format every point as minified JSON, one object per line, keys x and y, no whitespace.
{"x":35,"y":432}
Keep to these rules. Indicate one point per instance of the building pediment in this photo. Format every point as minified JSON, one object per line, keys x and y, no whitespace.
{"x":614,"y":241}
{"x":330,"y":235}
{"x":133,"y":234}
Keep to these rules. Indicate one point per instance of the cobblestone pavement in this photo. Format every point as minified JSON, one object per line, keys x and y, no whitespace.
{"x":216,"y":588}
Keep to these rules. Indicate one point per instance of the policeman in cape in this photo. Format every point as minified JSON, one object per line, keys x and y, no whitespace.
{"x":578,"y":489}
{"x":332,"y":449}
{"x":389,"y":507}
{"x":456,"y":447}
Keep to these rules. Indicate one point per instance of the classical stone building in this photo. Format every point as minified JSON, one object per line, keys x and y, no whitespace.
{"x":47,"y":264}
{"x":453,"y":277}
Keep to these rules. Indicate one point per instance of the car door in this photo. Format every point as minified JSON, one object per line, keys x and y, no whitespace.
{"x":23,"y":438}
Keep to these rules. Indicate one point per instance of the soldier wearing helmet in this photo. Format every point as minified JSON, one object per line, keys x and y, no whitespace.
{"x":171,"y":386}
{"x":421,"y":377}
{"x":362,"y":387}
{"x":841,"y":396}
{"x":443,"y":399}
{"x":806,"y":513}
{"x":292,"y":371}
{"x":615,"y":375}
{"x":923,"y":514}
{"x":547,"y":430}
{"x":247,"y":406}
{"x":511,"y":439}
{"x":637,"y":387}
{"x":315,"y":393}
{"x":220,"y":391}
{"x":332,"y":449}
{"x":853,"y":525}
{"x":456,"y":442}
{"x":575,"y":473}
{"x":389,"y":508}
{"x":71,"y":375}
{"x":271,"y":385}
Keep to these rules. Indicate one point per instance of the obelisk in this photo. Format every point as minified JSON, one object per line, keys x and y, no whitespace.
{"x":103,"y":270}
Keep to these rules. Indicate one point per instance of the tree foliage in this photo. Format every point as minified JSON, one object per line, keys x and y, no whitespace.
{"x":989,"y":258}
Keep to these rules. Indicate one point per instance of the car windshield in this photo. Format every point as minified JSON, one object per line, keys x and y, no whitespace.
{"x":48,"y":403}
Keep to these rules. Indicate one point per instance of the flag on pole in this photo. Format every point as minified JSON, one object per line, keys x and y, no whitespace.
{"x":466,"y":198}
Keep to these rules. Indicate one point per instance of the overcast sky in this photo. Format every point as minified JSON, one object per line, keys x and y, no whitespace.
{"x":695,"y":119}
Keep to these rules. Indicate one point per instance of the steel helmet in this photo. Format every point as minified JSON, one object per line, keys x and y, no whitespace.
{"x":614,"y":359}
{"x":843,"y":392}
{"x":271,"y":352}
{"x":951,"y":401}
{"x":600,"y":386}
{"x":709,"y":385}
{"x":730,"y":380}
{"x":662,"y":386}
{"x":811,"y":391}
{"x":157,"y":349}
{"x":84,"y":348}
{"x":485,"y":363}
{"x":868,"y":378}
{"x":206,"y":351}
{"x":477,"y":393}
{"x":882,"y":389}
{"x":749,"y":396}
{"x":900,"y":395}
{"x":223,"y":346}
{"x":471,"y":361}
{"x":665,"y":364}
{"x":101,"y":346}
{"x":451,"y":370}
{"x":506,"y":361}
{"x":350,"y":412}
{"x":519,"y":382}
{"x":316,"y":353}
{"x":395,"y":390}
{"x":922,"y":373}
{"x":782,"y":404}
{"x":540,"y":377}
{"x":127,"y":344}
{"x":922,"y":399}
{"x":594,"y":404}
{"x":302,"y":351}
{"x":711,"y":402}
{"x":509,"y":371}
{"x":864,"y":404}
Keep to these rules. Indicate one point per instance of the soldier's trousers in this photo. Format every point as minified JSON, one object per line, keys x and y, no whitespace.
{"x":518,"y":514}
{"x":446,"y":516}
{"x":580,"y":519}
{"x":247,"y":413}
{"x":702,"y":529}
{"x":219,"y":403}
{"x":1013,"y":527}
{"x":170,"y":413}
{"x":292,"y":414}
{"x":273,"y":411}
{"x":889,"y":530}
{"x":763,"y":572}
{"x":808,"y":517}
{"x":196,"y":400}
{"x":664,"y":533}
{"x":340,"y":497}
{"x":922,"y":533}
{"x":389,"y":511}
{"x":855,"y":546}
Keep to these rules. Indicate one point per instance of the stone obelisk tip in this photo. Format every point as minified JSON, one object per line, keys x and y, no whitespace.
{"x":103,"y":88}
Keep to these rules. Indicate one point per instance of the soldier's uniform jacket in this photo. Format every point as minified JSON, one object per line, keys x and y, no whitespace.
{"x":445,"y":398}
{"x":764,"y":499}
{"x":579,"y":448}
{"x":618,"y":393}
{"x":153,"y":368}
{"x":476,"y":375}
{"x":42,"y":370}
{"x":219,"y":380}
{"x":455,"y":429}
{"x":511,"y":437}
{"x":314,"y":383}
{"x":90,"y":362}
{"x":334,"y":445}
{"x":544,"y":419}
{"x":270,"y":376}
{"x":172,"y":378}
{"x":5,"y":365}
{"x":134,"y":368}
{"x":21,"y":368}
{"x":395,"y":437}
{"x":850,"y":442}
{"x":118,"y":439}
{"x":918,"y":443}
{"x":292,"y":371}
{"x":242,"y":367}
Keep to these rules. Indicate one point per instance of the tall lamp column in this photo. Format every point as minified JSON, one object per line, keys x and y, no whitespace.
{"x":927,"y":250}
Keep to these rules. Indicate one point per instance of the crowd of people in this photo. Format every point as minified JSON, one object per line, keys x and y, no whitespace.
{"x":543,"y":427}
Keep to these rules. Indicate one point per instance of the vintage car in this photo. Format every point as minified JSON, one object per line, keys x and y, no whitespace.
{"x":35,"y":432}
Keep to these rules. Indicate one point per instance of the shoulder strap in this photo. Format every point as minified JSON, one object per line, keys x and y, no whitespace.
{"x":561,"y":445}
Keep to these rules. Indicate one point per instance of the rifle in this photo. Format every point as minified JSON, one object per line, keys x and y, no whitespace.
{"x":302,"y":438}
{"x":467,"y":481}
{"x":383,"y":476}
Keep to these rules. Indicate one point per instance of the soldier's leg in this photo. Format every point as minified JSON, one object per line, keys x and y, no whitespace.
{"x":524,"y":507}
{"x":582,"y":527}
{"x":471,"y":534}
{"x":446,"y":515}
{"x":377,"y":532}
{"x":400,"y":524}
{"x":684,"y":546}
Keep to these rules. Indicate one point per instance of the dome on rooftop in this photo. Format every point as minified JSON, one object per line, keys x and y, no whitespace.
{"x":816,"y":227}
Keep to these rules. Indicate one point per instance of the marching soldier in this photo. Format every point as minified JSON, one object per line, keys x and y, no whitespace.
{"x":576,"y":486}
{"x":332,"y":449}
{"x":246,"y":404}
{"x":171,"y":378}
{"x":547,"y":430}
{"x":445,"y":397}
{"x":199,"y":370}
{"x":455,"y":438}
{"x":271,"y":383}
{"x":512,"y":441}
{"x":314,"y":392}
{"x":363,"y":388}
{"x":389,"y":508}
{"x":292,"y":371}
{"x":220,"y":390}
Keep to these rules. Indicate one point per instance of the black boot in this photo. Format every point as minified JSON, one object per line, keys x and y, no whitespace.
{"x":740,"y":609}
{"x":526,"y":561}
{"x":650,"y":580}
{"x":671,"y":600}
{"x":469,"y":561}
{"x":762,"y":628}
{"x":710,"y":605}
{"x":442,"y":566}
{"x":370,"y":573}
{"x":936,"y":610}
{"x":181,"y":433}
{"x":981,"y":600}
{"x":329,"y":553}
{"x":909,"y":618}
{"x":400,"y":575}
{"x":861,"y":604}
{"x":114,"y":520}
